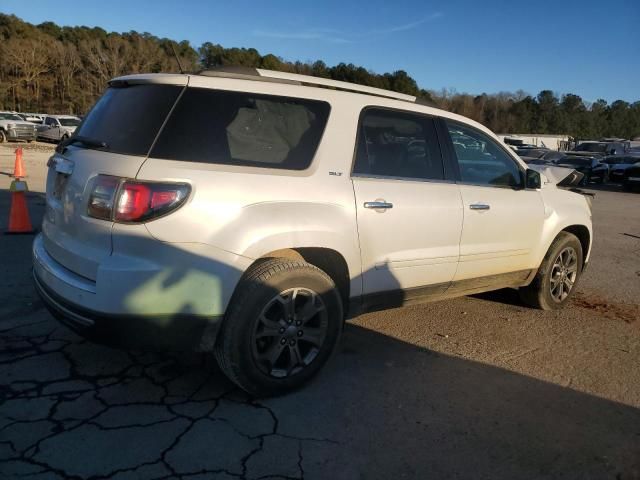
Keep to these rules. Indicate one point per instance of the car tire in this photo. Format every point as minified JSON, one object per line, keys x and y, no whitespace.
{"x":3,"y":136}
{"x":558,"y":275}
{"x":283,"y":324}
{"x":63,"y":138}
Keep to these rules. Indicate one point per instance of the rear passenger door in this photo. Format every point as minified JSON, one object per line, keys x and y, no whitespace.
{"x":409,"y":210}
{"x":502,"y":220}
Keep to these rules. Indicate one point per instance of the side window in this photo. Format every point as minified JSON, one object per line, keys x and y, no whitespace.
{"x":237,"y":128}
{"x":49,"y":121}
{"x":480,"y":158}
{"x":398,"y":144}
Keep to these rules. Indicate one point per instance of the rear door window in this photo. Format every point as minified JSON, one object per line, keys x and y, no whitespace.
{"x":247,"y":129}
{"x":128,"y":118}
{"x":398,"y":144}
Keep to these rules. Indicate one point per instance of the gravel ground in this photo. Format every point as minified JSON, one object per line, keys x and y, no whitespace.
{"x":477,"y":387}
{"x":42,"y":147}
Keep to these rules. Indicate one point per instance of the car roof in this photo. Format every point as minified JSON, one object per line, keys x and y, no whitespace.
{"x":299,"y":86}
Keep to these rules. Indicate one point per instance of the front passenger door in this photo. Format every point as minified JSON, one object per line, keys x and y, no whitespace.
{"x":503,"y":221}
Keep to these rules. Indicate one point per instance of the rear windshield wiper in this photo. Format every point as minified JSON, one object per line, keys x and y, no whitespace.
{"x":88,"y":141}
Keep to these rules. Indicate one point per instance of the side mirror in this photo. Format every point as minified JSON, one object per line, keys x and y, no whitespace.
{"x":532,"y":179}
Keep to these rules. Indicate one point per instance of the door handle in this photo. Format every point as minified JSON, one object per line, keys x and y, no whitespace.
{"x":378,"y":204}
{"x":479,"y":206}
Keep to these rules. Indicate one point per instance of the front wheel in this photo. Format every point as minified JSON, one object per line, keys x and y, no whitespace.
{"x":283,"y":324}
{"x":557,"y":276}
{"x":3,"y":136}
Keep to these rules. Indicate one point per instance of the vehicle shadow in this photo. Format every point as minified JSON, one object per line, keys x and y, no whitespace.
{"x":507,"y":296}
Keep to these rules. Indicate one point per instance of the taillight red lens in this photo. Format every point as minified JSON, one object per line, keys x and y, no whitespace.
{"x":135,"y":201}
{"x":160,"y":199}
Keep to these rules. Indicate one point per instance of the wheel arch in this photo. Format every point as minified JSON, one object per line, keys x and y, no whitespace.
{"x":583,"y":234}
{"x":330,"y":261}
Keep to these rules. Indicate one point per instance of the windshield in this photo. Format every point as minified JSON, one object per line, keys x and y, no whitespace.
{"x":592,"y":147}
{"x":127,"y":119}
{"x":10,"y":116}
{"x":69,"y":122}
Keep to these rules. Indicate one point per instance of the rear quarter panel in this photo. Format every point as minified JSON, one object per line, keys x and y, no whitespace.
{"x":252,"y":211}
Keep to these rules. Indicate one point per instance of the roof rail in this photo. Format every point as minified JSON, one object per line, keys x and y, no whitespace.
{"x":249,"y":73}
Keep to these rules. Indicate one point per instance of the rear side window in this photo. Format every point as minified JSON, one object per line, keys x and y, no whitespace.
{"x":128,"y":118}
{"x":398,"y":144}
{"x":237,"y":128}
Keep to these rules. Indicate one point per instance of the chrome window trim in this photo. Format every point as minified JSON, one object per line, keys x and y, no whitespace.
{"x":364,"y":176}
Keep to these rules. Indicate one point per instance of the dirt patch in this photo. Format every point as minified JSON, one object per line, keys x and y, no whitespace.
{"x":33,"y":146}
{"x":627,"y":312}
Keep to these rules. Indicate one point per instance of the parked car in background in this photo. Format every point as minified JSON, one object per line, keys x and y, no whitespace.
{"x":58,"y":128}
{"x":592,"y":168}
{"x":32,"y":118}
{"x":618,"y":164}
{"x":542,"y":157}
{"x":531,"y":152}
{"x":603,"y":147}
{"x":253,"y":233}
{"x":631,"y":180}
{"x":13,"y":127}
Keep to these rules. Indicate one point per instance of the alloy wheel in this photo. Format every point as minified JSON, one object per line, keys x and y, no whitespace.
{"x":289,"y":332}
{"x":564,"y":274}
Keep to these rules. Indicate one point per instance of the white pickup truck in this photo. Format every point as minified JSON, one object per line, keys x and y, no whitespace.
{"x":13,"y":127}
{"x":58,"y":128}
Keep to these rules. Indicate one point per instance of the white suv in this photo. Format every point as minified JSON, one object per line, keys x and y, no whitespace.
{"x":248,"y":213}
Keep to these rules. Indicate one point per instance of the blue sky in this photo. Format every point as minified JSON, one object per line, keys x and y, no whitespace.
{"x":589,"y":47}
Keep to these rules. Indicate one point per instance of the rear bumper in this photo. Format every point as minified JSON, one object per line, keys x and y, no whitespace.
{"x":100,"y":311}
{"x":163,"y":332}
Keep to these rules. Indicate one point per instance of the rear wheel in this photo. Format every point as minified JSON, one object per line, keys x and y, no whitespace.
{"x":557,"y":276}
{"x":282,"y":326}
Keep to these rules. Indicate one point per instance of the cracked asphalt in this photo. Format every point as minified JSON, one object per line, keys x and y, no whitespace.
{"x":477,"y":387}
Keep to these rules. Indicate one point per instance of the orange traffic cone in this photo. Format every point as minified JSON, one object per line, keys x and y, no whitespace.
{"x":18,"y":168}
{"x":19,"y":221}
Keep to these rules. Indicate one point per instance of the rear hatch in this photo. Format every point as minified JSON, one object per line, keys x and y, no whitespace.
{"x":114,"y":139}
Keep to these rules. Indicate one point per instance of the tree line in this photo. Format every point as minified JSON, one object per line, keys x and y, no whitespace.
{"x":54,"y":69}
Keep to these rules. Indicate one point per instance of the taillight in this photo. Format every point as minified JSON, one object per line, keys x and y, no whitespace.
{"x":102,"y":197}
{"x":127,"y":201}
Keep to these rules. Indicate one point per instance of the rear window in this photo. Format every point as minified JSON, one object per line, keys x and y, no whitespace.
{"x":592,"y":147}
{"x":237,"y":128}
{"x":128,"y":118}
